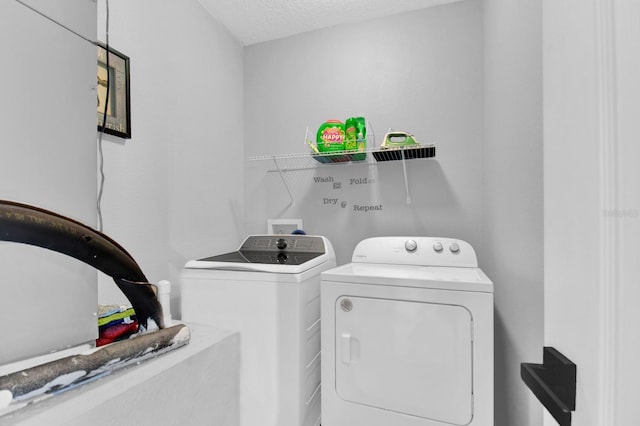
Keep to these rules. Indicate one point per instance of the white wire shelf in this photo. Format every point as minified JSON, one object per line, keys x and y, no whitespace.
{"x":297,"y":162}
{"x":304,"y":161}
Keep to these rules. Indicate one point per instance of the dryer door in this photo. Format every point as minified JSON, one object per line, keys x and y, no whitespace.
{"x":409,"y":357}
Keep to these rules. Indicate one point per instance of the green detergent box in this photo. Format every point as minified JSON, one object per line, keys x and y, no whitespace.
{"x":331,"y":136}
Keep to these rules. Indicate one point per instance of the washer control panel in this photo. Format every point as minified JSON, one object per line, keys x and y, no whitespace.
{"x":422,"y":251}
{"x":278,"y":243}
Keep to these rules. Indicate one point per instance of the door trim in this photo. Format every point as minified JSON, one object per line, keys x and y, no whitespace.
{"x":609,"y":203}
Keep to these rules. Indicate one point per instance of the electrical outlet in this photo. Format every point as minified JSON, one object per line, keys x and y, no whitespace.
{"x":283,"y":226}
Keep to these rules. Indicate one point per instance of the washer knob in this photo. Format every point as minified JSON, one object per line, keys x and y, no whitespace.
{"x":281,"y":244}
{"x":437,"y":246}
{"x":410,"y":245}
{"x":454,"y":247}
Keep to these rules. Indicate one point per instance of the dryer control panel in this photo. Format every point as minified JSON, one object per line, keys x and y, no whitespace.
{"x":419,"y":251}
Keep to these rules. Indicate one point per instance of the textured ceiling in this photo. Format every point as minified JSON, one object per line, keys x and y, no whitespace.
{"x":255,"y":21}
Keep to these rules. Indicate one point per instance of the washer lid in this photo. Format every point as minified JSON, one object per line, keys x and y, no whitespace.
{"x":433,"y":277}
{"x":271,"y":253}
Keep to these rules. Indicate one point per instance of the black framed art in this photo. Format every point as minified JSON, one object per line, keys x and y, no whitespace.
{"x":119,"y":106}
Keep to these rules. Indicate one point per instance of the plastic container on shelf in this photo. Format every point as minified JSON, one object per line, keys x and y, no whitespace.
{"x":330,"y":136}
{"x":338,"y":142}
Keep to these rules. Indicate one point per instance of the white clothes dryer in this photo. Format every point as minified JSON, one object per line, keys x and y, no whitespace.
{"x":407,"y":336}
{"x":269,"y":291}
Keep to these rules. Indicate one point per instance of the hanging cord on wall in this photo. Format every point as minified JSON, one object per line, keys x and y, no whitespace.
{"x":104,"y":124}
{"x":104,"y":119}
{"x":54,"y":21}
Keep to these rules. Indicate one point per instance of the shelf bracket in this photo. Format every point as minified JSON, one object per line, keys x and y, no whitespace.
{"x":284,"y":181}
{"x":554,"y":384}
{"x":406,"y":181}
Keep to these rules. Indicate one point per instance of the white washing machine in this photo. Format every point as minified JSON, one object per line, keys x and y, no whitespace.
{"x":269,"y":291}
{"x":407,"y":336}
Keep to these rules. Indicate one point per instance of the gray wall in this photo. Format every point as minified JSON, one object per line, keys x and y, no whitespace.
{"x":174,"y":191}
{"x":513,"y":197}
{"x":48,"y":160}
{"x":419,"y":72}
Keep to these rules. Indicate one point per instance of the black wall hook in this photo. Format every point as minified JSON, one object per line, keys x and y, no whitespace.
{"x":554,"y":384}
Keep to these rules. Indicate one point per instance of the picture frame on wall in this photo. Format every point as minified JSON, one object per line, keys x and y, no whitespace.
{"x":119,"y":106}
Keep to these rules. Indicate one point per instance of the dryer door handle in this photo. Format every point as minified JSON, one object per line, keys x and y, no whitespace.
{"x":346,"y":348}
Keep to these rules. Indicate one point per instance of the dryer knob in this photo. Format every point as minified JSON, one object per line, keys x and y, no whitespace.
{"x":410,"y":245}
{"x":437,"y":246}
{"x":281,"y":244}
{"x":454,"y":247}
